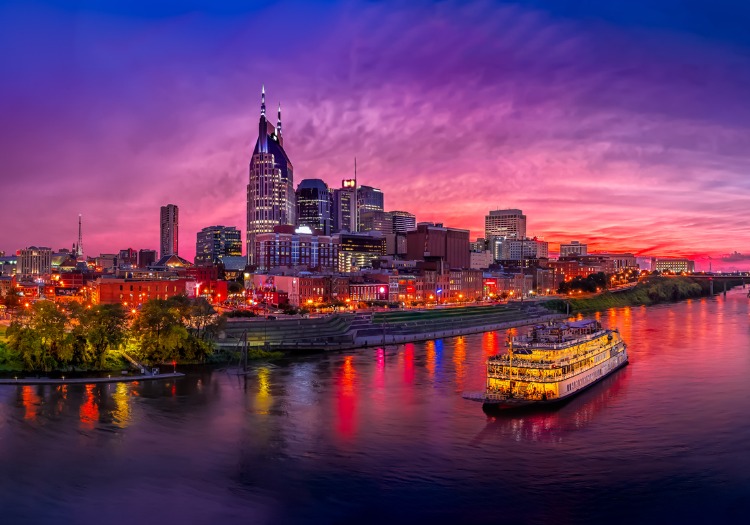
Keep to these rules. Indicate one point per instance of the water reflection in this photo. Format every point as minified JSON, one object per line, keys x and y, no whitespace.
{"x":89,"y":411}
{"x":554,"y":423}
{"x":121,"y":412}
{"x":263,"y":398}
{"x":459,"y":357}
{"x":31,"y":403}
{"x":346,"y":398}
{"x":317,"y":439}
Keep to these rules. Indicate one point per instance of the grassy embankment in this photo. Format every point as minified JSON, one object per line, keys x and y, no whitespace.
{"x":654,"y":290}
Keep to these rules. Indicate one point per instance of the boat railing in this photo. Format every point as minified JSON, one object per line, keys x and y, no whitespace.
{"x":504,"y":359}
{"x":521,"y":343}
{"x":535,"y":377}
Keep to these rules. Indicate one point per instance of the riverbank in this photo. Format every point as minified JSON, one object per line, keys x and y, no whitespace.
{"x":655,"y":290}
{"x":88,"y":380}
{"x":350,"y":331}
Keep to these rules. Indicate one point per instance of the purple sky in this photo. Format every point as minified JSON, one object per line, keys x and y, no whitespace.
{"x":625,"y":127}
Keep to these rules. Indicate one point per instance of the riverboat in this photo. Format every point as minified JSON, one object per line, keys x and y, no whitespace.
{"x":551,"y":364}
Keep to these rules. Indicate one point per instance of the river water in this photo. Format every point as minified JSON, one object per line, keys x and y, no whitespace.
{"x":369,"y":436}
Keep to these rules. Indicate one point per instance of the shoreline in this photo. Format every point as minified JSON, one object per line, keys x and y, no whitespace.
{"x":26,"y":381}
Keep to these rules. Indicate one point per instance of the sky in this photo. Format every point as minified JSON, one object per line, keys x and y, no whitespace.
{"x":624,"y":124}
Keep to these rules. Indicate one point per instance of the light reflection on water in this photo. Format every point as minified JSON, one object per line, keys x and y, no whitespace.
{"x":319,"y":438}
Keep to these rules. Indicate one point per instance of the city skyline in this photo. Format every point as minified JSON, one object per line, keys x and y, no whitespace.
{"x":623,"y":129}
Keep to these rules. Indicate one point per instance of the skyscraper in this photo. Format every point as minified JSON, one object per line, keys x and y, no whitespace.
{"x":270,"y":191}
{"x":344,"y":207}
{"x":314,"y":203}
{"x":216,"y":242}
{"x":368,"y":199}
{"x":169,"y":225}
{"x":509,"y":224}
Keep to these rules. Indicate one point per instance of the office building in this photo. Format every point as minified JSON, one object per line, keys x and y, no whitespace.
{"x":270,"y":191}
{"x":376,"y":220}
{"x":674,"y":265}
{"x":358,"y":250}
{"x":519,"y":249}
{"x":344,"y":212}
{"x":435,"y":243}
{"x":314,"y":206}
{"x":213,"y":243}
{"x":369,"y":199}
{"x":403,"y":221}
{"x":34,"y":261}
{"x":573,"y":248}
{"x":127,"y":258}
{"x":510,"y":224}
{"x":169,"y":230}
{"x":287,"y":247}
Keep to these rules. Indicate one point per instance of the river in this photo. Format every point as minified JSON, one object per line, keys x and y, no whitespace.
{"x":370,"y":437}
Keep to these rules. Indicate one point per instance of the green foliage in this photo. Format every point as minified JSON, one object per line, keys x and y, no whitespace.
{"x":592,"y":283}
{"x":656,"y":289}
{"x":43,"y":337}
{"x":175,"y":329}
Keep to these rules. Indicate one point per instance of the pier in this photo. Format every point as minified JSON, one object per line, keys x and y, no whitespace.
{"x":26,"y":381}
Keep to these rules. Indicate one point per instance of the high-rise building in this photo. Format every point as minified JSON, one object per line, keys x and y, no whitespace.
{"x":270,"y":191}
{"x":403,"y":221}
{"x":169,"y":229}
{"x":34,"y":261}
{"x":344,"y":207}
{"x":368,"y":199}
{"x":216,"y":242}
{"x":510,"y":224}
{"x":314,"y":204}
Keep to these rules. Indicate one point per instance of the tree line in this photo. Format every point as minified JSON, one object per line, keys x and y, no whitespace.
{"x":45,"y":336}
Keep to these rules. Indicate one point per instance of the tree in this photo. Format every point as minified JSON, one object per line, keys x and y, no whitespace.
{"x":104,"y":327}
{"x":159,"y":330}
{"x":38,"y":336}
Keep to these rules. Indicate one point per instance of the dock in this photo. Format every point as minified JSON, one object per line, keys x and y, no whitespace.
{"x":26,"y":381}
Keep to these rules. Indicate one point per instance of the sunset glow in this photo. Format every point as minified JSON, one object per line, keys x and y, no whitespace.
{"x":625,"y":129}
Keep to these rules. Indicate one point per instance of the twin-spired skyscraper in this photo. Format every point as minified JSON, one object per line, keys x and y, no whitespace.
{"x":270,"y":191}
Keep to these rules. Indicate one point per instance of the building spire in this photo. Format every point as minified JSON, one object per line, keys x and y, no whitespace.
{"x":278,"y":122}
{"x":79,"y":248}
{"x":263,"y":101}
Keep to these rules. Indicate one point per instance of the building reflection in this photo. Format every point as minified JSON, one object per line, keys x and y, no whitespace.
{"x":346,"y":395}
{"x":459,"y":357}
{"x":429,"y":348}
{"x":121,"y":411}
{"x":552,"y":423}
{"x":409,"y":363}
{"x":263,"y":398}
{"x":89,"y":411}
{"x":31,"y":403}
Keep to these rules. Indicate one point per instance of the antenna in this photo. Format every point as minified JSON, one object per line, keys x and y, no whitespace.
{"x":356,"y":199}
{"x":79,"y":249}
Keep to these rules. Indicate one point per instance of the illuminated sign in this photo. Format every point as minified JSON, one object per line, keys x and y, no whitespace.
{"x":348,"y":183}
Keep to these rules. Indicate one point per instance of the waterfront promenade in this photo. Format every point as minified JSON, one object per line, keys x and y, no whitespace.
{"x":347,"y":330}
